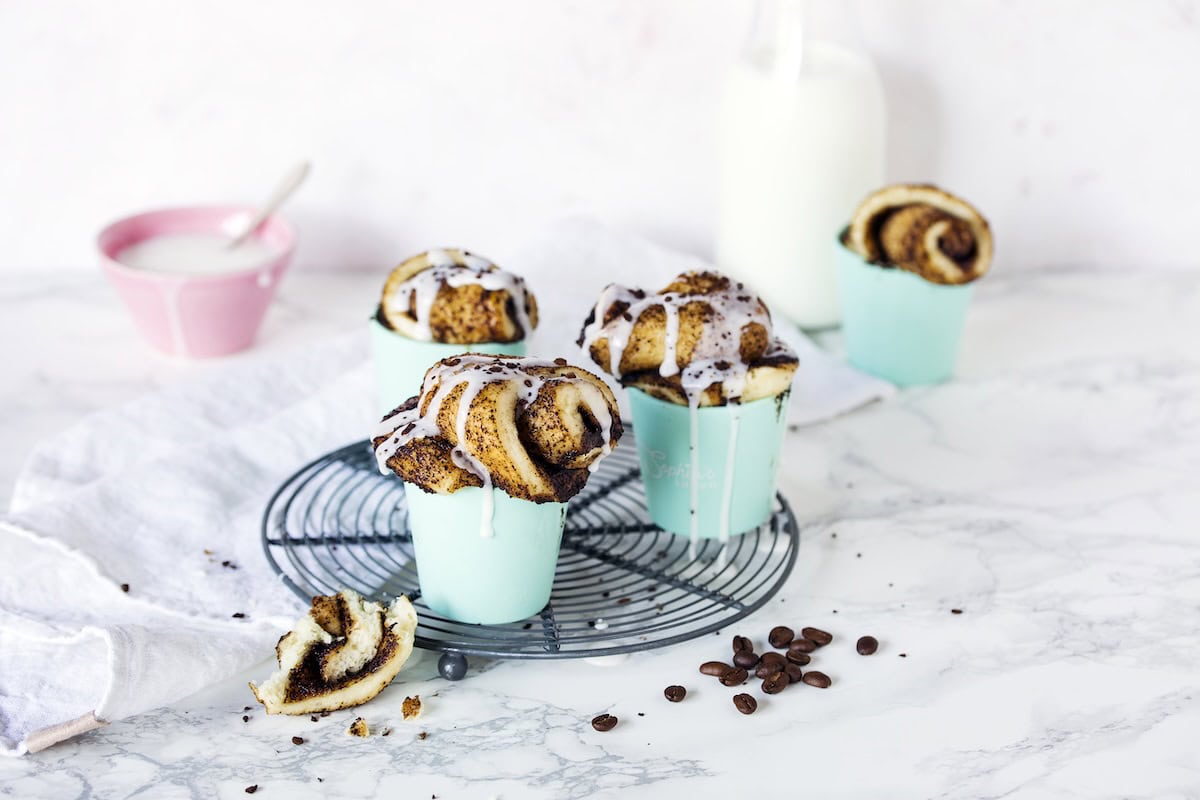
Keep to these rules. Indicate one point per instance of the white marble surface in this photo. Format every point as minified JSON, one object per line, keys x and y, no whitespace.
{"x":1051,"y":492}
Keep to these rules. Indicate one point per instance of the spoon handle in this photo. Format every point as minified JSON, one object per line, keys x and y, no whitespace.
{"x":290,"y":183}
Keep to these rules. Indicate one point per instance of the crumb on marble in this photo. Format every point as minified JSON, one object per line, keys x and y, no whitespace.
{"x":411,"y":707}
{"x":359,"y":728}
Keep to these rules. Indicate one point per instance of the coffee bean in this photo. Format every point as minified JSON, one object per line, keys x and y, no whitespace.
{"x":741,"y":643}
{"x":817,"y":679}
{"x":766,"y":668}
{"x":817,"y":636}
{"x":714,"y":668}
{"x":793,"y":672}
{"x":802,"y":646}
{"x":798,"y":658}
{"x":866,"y":645}
{"x":604,"y":722}
{"x":774,"y":684}
{"x":745,"y":658}
{"x":775,"y":660}
{"x":745,"y":703}
{"x":781,"y":636}
{"x":674,"y":693}
{"x":735,"y":677}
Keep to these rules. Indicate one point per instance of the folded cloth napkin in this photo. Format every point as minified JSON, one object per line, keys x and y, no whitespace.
{"x":133,"y":573}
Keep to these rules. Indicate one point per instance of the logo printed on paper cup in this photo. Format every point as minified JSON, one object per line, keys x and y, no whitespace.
{"x":679,"y":474}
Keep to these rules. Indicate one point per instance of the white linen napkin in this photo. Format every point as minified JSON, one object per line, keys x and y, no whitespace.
{"x":133,"y":537}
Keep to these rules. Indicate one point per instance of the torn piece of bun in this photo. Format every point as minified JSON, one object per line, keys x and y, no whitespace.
{"x":340,"y":654}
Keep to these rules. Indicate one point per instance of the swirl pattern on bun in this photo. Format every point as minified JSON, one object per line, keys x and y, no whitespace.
{"x":456,"y":297}
{"x":703,"y":340}
{"x":342,"y":653}
{"x":921,"y":229}
{"x":533,"y":428}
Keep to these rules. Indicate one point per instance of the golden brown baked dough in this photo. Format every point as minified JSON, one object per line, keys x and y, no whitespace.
{"x":703,"y":338}
{"x":924,"y":230}
{"x":455,"y":297}
{"x":532,"y":428}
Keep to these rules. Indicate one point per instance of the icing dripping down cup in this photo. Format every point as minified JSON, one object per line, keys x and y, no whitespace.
{"x":490,"y":580}
{"x":737,"y":452}
{"x":187,"y":294}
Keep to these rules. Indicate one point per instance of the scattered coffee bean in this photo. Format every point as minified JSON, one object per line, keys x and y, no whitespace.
{"x":714,"y":668}
{"x":866,"y":645}
{"x":956,"y":611}
{"x":775,"y":660}
{"x":252,"y":789}
{"x":817,"y":679}
{"x":735,"y":677}
{"x":798,"y":658}
{"x":125,"y":588}
{"x":604,"y":722}
{"x":774,"y":684}
{"x":793,"y":672}
{"x":238,"y":615}
{"x":765,"y":668}
{"x":817,"y":636}
{"x":745,"y":658}
{"x":802,"y":646}
{"x":745,"y":703}
{"x":741,"y":643}
{"x":781,"y":636}
{"x":297,"y":740}
{"x":674,"y":693}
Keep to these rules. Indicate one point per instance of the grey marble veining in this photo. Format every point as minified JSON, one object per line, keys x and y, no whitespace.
{"x":1051,"y":492}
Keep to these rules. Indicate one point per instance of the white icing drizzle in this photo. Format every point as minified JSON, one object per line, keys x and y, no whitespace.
{"x":171,"y":289}
{"x":716,"y":359}
{"x":735,"y":414}
{"x":473,"y":372}
{"x":446,"y":269}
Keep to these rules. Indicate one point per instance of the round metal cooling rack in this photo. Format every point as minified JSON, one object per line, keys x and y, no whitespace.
{"x":622,"y":583}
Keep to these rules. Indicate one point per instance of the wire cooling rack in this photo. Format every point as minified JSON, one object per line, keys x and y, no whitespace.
{"x":622,"y":584}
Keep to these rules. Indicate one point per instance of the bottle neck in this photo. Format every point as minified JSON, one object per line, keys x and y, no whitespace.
{"x":785,"y":33}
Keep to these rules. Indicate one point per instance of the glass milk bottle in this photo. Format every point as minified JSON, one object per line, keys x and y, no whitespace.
{"x":802,"y":138}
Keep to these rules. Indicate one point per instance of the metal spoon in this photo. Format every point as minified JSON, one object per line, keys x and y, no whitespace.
{"x":290,"y":183}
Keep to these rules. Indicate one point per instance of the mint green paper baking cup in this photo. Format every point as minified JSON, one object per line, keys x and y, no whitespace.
{"x":737,"y":478}
{"x":400,"y":362}
{"x":468,"y":577}
{"x":898,"y":325}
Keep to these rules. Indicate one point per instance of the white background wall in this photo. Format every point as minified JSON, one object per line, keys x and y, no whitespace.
{"x":1074,"y":124}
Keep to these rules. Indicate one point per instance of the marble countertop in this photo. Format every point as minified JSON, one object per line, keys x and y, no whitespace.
{"x":1051,"y":493}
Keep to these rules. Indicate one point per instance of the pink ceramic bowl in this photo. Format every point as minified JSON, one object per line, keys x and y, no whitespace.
{"x":196,"y":315}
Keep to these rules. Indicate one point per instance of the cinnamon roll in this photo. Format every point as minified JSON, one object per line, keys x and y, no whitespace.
{"x":456,"y":297}
{"x":702,"y":340}
{"x":924,"y":230}
{"x":532,"y":428}
{"x":342,"y":653}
